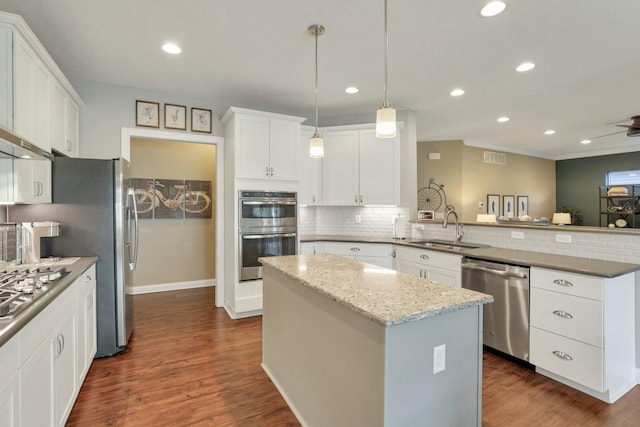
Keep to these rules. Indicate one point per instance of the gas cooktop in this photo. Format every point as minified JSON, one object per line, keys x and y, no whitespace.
{"x":20,"y":286}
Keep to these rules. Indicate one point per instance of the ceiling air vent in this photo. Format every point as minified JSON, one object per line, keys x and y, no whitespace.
{"x":495,"y":158}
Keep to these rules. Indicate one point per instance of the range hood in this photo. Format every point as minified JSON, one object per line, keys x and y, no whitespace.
{"x":13,"y":146}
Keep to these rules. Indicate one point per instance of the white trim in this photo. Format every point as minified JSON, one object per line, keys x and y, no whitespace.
{"x":125,"y":151}
{"x":176,"y":286}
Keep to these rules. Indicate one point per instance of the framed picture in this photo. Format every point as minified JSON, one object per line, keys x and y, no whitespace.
{"x":523,"y":205}
{"x":200,"y":120}
{"x":148,"y":114}
{"x":175,"y":116}
{"x":508,"y":206}
{"x":493,"y":204}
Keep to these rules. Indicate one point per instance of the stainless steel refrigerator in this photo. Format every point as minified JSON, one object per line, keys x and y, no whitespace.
{"x":96,"y":209}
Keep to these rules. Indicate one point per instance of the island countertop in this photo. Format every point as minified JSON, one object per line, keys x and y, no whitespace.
{"x":382,"y":295}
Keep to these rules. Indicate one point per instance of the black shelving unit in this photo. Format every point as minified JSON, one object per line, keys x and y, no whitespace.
{"x":620,"y":205}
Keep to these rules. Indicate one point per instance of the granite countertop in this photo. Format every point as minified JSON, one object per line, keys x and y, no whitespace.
{"x":592,"y":267}
{"x":8,"y":328}
{"x":382,"y":295}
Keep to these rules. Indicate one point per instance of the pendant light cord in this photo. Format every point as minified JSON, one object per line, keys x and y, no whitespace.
{"x":385,"y":104}
{"x":316,"y":35}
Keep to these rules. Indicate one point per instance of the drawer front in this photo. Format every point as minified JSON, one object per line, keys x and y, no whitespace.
{"x":567,"y":283}
{"x":582,"y":363}
{"x":9,"y":359}
{"x":429,"y":258}
{"x":566,"y":315}
{"x":357,"y":249}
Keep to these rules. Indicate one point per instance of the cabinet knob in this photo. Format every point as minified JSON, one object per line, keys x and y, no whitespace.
{"x":563,"y":314}
{"x":563,"y":282}
{"x":562,"y":355}
{"x":424,"y":256}
{"x":87,"y":278}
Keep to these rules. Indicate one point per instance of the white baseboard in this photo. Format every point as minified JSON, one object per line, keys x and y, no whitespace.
{"x":176,"y":286}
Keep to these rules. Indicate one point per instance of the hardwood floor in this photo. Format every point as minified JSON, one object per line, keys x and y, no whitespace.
{"x":188,"y":364}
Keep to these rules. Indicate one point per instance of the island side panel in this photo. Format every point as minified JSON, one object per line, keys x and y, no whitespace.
{"x":417,"y":396}
{"x":326,"y":360}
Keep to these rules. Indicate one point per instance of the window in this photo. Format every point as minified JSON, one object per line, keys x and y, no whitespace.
{"x":623,"y":177}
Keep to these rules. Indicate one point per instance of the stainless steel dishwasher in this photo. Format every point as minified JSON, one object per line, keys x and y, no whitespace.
{"x":506,"y":320}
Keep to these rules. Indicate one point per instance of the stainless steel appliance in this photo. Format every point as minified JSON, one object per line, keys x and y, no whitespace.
{"x":98,"y":216}
{"x":32,"y":232}
{"x":20,"y":286}
{"x":267,"y":227}
{"x":506,"y":320}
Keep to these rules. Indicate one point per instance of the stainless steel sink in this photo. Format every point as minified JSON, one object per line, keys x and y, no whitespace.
{"x":451,"y":244}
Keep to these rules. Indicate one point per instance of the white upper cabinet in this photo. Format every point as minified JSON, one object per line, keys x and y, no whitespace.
{"x":265,"y":145}
{"x":360,"y":169}
{"x":36,"y":100}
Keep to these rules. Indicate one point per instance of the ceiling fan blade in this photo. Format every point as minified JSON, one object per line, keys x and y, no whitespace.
{"x":608,"y":134}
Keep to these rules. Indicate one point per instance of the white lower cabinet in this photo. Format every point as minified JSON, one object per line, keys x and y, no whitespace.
{"x":582,"y":331}
{"x":433,"y":265}
{"x":44,"y":364}
{"x":309,"y":248}
{"x":372,"y":253}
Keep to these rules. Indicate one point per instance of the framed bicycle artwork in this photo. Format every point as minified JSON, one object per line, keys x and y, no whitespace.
{"x":173,"y":198}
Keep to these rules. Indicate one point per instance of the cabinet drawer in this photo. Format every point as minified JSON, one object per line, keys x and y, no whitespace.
{"x":9,"y":360}
{"x":429,"y":258}
{"x":357,"y":249}
{"x":567,"y":283}
{"x":583,"y":363}
{"x":566,"y":315}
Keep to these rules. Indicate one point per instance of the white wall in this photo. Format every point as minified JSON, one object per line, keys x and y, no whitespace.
{"x":107,"y":108}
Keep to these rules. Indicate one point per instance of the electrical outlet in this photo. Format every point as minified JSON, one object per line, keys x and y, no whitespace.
{"x":357,"y":219}
{"x":563,"y":238}
{"x":517,"y":235}
{"x":439,"y":358}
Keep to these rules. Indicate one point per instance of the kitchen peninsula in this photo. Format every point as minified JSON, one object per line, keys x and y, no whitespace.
{"x":348,"y":343}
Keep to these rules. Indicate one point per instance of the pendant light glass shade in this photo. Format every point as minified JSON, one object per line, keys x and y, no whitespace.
{"x":316,"y":143}
{"x":386,"y":116}
{"x":386,"y":122}
{"x":316,"y":146}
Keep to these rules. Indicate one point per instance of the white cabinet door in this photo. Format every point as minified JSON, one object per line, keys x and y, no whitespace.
{"x":283,"y":149}
{"x":64,"y":367}
{"x":379,"y":169}
{"x":252,"y":148}
{"x":65,"y":121}
{"x":438,"y":266}
{"x":72,"y":128}
{"x":32,"y":181}
{"x":36,"y":385}
{"x":309,"y":172}
{"x":340,"y":176}
{"x":6,"y":77}
{"x":9,"y":383}
{"x":86,"y":295}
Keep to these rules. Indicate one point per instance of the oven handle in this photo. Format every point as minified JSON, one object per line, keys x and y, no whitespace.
{"x":267,"y":236}
{"x":269,"y":202}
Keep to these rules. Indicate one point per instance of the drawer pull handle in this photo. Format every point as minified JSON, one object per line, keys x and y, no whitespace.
{"x":562,"y":355}
{"x":355,"y":249}
{"x":424,"y":256}
{"x":562,"y":313}
{"x":563,"y":282}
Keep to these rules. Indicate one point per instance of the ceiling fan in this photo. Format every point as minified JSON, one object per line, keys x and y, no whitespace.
{"x":632,"y":130}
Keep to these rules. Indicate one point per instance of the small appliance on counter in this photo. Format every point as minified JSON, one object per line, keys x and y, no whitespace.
{"x":399,"y":227}
{"x":32,"y":232}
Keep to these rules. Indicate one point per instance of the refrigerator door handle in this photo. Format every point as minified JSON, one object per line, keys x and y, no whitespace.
{"x":133,"y":252}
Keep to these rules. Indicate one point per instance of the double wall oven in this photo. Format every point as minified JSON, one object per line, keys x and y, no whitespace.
{"x":267,"y":227}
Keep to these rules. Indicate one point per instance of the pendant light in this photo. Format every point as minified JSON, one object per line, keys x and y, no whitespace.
{"x":316,"y":143}
{"x":386,"y":116}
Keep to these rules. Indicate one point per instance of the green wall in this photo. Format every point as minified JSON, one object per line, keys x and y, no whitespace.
{"x":578,"y":181}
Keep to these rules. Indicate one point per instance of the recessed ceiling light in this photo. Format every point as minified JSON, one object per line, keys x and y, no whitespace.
{"x":352,"y":89}
{"x":457,"y":92}
{"x":171,"y":48}
{"x":525,"y":66}
{"x":549,"y":132}
{"x":585,"y":141}
{"x":493,"y":8}
{"x":503,"y":119}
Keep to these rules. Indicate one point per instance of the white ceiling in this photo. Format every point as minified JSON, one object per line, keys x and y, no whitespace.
{"x":258,"y":54}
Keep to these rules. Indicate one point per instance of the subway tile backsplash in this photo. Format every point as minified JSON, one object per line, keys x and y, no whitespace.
{"x":378,"y":222}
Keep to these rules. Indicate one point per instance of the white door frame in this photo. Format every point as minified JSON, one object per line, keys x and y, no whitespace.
{"x":125,"y":150}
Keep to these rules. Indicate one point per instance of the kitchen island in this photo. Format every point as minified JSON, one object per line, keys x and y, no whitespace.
{"x":348,"y":343}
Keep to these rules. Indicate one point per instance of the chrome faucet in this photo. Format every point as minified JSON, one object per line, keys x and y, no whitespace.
{"x":459,"y":232}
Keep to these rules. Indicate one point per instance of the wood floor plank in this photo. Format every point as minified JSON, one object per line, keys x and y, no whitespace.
{"x":189,"y":364}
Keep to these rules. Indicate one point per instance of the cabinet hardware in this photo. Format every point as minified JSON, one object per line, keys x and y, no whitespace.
{"x":313,"y":198}
{"x":356,"y":198}
{"x":61,"y":343}
{"x":267,"y":169}
{"x":89,"y":302}
{"x":87,"y":278}
{"x":563,"y":314}
{"x":562,"y":355}
{"x":563,"y":282}
{"x":355,"y":249}
{"x":424,"y":256}
{"x":393,"y":254}
{"x":361,"y":199}
{"x":271,"y":171}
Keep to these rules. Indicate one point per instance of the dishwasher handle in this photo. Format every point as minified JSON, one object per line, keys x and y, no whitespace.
{"x":504,"y":273}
